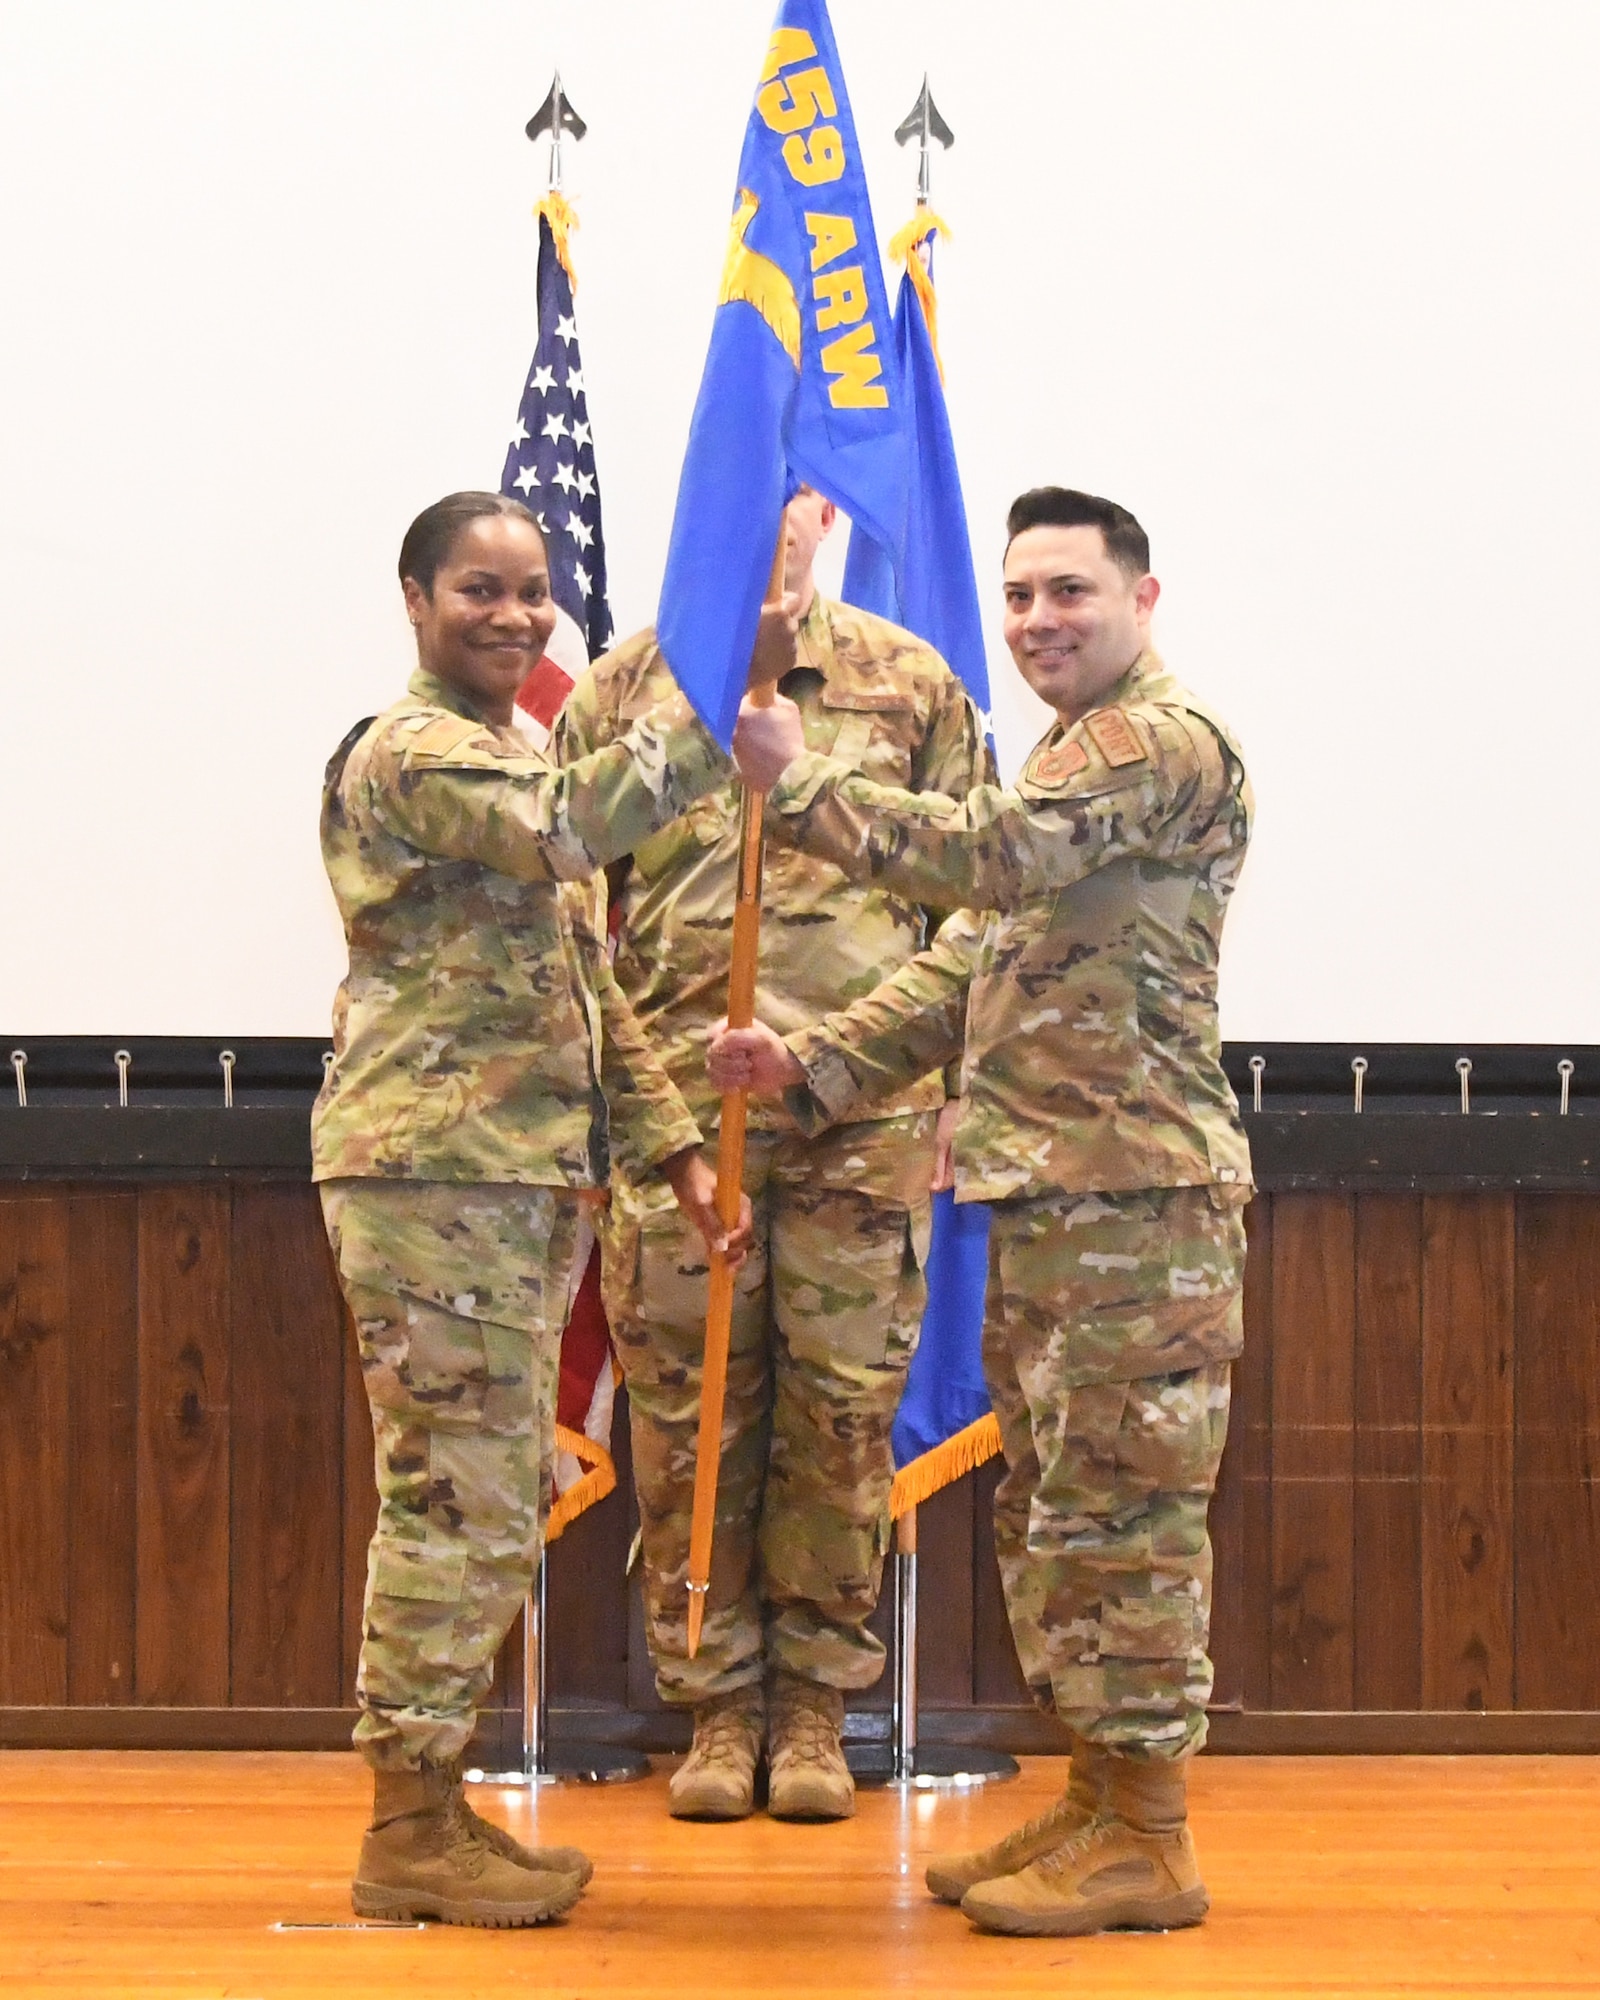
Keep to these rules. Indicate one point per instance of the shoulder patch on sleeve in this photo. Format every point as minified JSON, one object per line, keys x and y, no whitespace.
{"x":1056,"y":764}
{"x":1113,"y":737}
{"x":452,"y":739}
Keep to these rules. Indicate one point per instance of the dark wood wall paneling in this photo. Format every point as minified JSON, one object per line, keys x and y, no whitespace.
{"x":174,"y":1490}
{"x":102,"y":1443}
{"x":183,"y":1485}
{"x":288,"y":1458}
{"x":1386,"y":1519}
{"x":1312,"y":1613}
{"x":1407,"y":1518}
{"x":35,"y":1463}
{"x":1467,"y":1441}
{"x":1556,"y":1527}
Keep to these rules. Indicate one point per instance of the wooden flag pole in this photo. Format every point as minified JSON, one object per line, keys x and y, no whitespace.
{"x":730,"y":1175}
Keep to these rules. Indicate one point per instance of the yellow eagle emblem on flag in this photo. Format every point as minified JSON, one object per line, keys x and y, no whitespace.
{"x":750,"y":279}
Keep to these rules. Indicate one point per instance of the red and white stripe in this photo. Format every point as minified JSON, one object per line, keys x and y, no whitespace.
{"x":540,"y":697}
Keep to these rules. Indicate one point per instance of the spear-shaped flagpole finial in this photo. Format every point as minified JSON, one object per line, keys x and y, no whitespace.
{"x":924,"y":124}
{"x":557,"y":117}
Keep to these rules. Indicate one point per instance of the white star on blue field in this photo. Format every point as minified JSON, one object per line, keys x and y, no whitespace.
{"x":550,"y":461}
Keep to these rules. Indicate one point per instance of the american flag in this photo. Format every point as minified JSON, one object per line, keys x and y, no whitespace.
{"x":585,"y":1398}
{"x":550,"y":468}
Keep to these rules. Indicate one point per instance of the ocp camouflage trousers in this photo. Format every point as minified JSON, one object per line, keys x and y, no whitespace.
{"x":459,"y":1292}
{"x":827,"y":1309}
{"x":1100,"y":1519}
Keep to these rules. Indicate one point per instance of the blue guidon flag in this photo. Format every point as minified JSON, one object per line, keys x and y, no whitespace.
{"x":550,"y":467}
{"x":800,"y":383}
{"x":944,"y":1426}
{"x":928,"y":585}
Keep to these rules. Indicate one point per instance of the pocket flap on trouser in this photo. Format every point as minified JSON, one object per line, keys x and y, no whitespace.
{"x":1150,"y":1628}
{"x":426,"y":1573}
{"x":847,"y":1285}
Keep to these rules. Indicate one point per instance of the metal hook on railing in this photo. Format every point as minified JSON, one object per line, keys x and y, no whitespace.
{"x":327,"y":1064}
{"x":1464,"y":1071}
{"x":122,"y":1059}
{"x":1564,"y":1070}
{"x":1358,"y":1065}
{"x":1258,"y":1066}
{"x":227,"y":1060}
{"x":19,"y":1062}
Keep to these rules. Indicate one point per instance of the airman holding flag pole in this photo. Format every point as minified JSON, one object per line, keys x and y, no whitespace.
{"x":800,"y":409}
{"x":1101,"y":1127}
{"x":460,"y":1120}
{"x":550,"y":466}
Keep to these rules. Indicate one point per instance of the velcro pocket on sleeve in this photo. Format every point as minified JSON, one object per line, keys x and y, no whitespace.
{"x":460,"y":743}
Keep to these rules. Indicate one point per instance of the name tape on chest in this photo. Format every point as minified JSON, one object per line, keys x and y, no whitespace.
{"x":1113,"y":737}
{"x":868,"y":698}
{"x":1060,"y":762}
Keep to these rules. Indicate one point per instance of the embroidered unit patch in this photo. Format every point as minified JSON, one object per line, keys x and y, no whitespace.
{"x":1114,"y":738}
{"x":1060,"y":762}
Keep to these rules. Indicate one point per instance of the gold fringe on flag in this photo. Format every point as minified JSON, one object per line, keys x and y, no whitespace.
{"x":563,"y":219}
{"x":595,"y":1484}
{"x":947,"y":1462}
{"x":904,"y":249}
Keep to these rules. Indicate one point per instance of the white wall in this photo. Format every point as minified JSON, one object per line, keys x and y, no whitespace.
{"x":1309,"y":286}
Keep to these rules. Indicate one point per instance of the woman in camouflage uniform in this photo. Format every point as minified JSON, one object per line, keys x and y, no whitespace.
{"x":486,"y":1070}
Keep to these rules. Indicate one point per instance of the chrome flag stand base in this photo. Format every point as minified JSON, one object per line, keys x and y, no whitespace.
{"x":938,"y":1767}
{"x":573,"y":1763}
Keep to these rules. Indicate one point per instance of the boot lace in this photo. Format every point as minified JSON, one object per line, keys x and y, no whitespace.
{"x":467,"y":1839}
{"x":1024,"y":1837}
{"x":809,"y":1733}
{"x":725,"y":1730}
{"x":1060,"y":1859}
{"x":463,"y":1843}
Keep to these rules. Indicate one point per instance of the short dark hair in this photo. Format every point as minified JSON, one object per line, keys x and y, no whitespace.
{"x":1126,"y":542}
{"x":431,"y":536}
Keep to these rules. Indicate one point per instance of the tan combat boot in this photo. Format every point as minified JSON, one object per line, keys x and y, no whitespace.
{"x":1132,"y":1866}
{"x":807,"y":1777}
{"x":553,"y":1860}
{"x":717,"y":1780}
{"x":950,"y":1876}
{"x":422,"y":1858}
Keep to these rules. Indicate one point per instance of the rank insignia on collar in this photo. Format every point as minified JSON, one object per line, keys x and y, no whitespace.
{"x":1113,"y":737}
{"x":1060,"y":762}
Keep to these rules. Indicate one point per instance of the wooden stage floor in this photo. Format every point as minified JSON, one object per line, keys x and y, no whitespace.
{"x":162,"y":1876}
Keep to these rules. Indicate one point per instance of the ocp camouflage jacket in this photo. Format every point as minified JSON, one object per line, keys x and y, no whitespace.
{"x":1085,"y":1011}
{"x":878,"y":701}
{"x":479,"y":1034}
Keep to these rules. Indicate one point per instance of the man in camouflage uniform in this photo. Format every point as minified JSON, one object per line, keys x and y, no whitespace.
{"x":1099,"y":1123}
{"x":828,"y":1307}
{"x":480,"y":1049}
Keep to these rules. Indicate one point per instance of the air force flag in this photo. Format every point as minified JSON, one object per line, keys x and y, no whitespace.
{"x":944,"y":1426}
{"x":800,"y":387}
{"x":927,"y":584}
